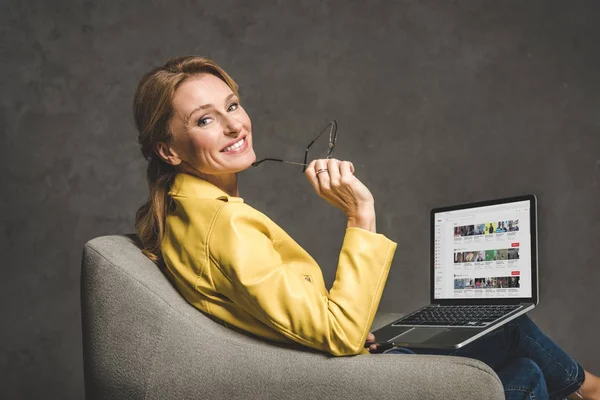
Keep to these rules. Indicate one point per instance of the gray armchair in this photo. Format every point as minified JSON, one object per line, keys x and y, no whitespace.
{"x":142,"y":340}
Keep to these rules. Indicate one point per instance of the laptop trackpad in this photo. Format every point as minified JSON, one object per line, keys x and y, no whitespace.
{"x":418,"y":335}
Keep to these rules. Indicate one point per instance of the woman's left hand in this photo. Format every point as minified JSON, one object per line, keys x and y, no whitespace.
{"x":371,"y":339}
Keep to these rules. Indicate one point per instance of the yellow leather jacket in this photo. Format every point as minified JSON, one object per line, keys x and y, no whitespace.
{"x":231,"y":261}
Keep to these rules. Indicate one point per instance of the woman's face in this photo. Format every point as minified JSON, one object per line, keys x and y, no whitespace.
{"x":211,"y":131}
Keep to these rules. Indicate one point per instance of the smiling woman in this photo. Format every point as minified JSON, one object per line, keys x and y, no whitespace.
{"x":225,"y":257}
{"x":189,"y":119}
{"x":212,"y":140}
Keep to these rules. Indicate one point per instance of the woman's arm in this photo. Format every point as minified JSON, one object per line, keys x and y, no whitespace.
{"x":265,"y":279}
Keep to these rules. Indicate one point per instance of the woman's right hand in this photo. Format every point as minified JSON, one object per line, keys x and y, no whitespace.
{"x":337,"y":184}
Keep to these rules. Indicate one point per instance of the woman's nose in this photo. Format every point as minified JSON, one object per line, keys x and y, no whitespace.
{"x":233,"y":126}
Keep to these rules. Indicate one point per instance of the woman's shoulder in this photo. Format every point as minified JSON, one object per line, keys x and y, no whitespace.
{"x":222,"y":212}
{"x":241,"y":212}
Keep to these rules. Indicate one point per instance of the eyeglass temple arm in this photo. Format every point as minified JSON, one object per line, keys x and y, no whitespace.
{"x":278,"y":160}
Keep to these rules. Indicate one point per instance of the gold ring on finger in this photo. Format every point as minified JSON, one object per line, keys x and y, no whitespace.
{"x":322,"y":170}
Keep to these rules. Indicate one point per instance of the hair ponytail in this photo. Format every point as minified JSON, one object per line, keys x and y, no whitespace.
{"x":150,"y":217}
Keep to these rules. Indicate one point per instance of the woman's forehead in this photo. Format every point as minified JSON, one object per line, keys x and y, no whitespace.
{"x":200,"y":90}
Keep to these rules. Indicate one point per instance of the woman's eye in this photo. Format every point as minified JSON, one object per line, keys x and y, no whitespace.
{"x":233,"y":106}
{"x":203,"y":121}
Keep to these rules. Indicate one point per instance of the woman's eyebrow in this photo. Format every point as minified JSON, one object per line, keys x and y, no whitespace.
{"x":205,"y":106}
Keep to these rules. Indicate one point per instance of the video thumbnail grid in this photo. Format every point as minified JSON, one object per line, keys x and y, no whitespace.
{"x":486,"y":255}
{"x":487,"y":228}
{"x":487,"y":283}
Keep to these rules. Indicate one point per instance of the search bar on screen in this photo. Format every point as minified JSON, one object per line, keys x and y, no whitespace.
{"x":460,"y":218}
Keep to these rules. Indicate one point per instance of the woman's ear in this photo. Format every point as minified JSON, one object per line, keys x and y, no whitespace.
{"x":168,"y":154}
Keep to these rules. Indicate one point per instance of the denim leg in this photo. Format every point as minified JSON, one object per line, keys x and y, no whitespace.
{"x":521,"y":338}
{"x":524,"y":380}
{"x":562,"y":374}
{"x":399,"y":350}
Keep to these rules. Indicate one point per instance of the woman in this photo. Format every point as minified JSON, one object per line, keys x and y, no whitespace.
{"x":235,"y":264}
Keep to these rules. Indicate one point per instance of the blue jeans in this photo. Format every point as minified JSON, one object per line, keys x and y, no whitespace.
{"x":529,"y":364}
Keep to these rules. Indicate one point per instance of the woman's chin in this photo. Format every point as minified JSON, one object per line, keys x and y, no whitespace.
{"x":249,"y":159}
{"x":244,"y":162}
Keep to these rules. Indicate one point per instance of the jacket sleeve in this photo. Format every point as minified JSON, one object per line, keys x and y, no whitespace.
{"x":275,"y":293}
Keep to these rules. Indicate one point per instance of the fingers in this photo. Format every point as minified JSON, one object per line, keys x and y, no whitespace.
{"x":346,"y":172}
{"x":322,"y":172}
{"x":334,"y":181}
{"x":371,"y":339}
{"x":333,"y":166}
{"x":311,"y":176}
{"x":329,"y":173}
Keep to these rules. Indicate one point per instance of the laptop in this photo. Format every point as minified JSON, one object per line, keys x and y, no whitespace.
{"x":483,"y":274}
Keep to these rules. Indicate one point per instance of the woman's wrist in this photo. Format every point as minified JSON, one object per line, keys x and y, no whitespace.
{"x":364,"y":219}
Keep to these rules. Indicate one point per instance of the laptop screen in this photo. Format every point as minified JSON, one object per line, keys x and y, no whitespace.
{"x":483,"y":252}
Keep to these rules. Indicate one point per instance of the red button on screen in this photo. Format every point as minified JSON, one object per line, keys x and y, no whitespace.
{"x":515,"y":244}
{"x":515,"y":272}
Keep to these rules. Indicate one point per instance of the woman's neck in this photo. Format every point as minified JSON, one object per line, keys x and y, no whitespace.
{"x":226,"y":182}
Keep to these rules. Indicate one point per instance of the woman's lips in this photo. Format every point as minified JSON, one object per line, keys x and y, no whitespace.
{"x":240,"y":149}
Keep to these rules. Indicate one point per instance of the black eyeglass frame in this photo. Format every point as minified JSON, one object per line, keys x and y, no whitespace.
{"x":332,"y":126}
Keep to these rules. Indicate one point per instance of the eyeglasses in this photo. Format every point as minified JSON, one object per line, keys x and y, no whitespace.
{"x":331,"y":128}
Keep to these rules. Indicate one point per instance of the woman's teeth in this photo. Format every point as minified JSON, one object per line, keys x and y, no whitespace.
{"x":235,"y":146}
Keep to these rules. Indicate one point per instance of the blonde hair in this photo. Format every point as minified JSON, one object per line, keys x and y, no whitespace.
{"x":153,"y":110}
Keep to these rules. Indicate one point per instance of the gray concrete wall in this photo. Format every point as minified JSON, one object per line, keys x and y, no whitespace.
{"x":438,"y":102}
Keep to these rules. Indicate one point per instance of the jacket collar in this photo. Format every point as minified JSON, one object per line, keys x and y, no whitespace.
{"x":186,"y":185}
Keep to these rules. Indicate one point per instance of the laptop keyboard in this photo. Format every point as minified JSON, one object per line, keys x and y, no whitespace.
{"x":468,"y":316}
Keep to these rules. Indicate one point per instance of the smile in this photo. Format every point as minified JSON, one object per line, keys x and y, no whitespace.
{"x":236,"y":146}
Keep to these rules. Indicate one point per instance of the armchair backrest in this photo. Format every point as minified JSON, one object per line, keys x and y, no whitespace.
{"x":138,"y":330}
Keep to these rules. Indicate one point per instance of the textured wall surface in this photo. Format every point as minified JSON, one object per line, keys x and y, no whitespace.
{"x":438,"y":102}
